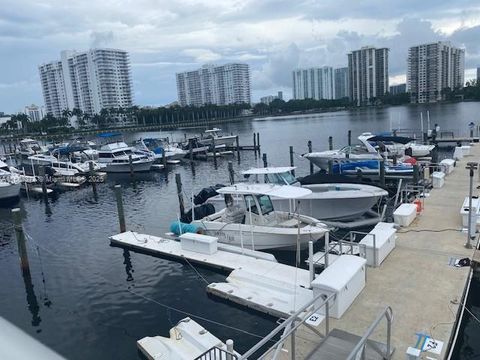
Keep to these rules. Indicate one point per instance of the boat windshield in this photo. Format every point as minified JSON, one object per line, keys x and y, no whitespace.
{"x":285,"y":178}
{"x":265,"y":203}
{"x":358,"y":149}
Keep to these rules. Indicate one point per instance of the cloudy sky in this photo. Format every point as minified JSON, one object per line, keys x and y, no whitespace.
{"x":274,"y":37}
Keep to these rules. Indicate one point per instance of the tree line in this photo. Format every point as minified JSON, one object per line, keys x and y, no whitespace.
{"x":177,"y":115}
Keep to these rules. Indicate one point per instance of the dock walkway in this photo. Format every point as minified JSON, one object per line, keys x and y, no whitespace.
{"x":416,"y":279}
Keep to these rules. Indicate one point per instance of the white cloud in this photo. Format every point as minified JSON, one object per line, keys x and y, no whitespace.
{"x":273,"y":36}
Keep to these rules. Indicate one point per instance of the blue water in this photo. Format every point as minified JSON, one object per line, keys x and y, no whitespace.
{"x":88,"y":300}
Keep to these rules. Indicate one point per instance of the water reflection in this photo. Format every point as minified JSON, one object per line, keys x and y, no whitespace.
{"x":127,"y":261}
{"x":32,"y":301}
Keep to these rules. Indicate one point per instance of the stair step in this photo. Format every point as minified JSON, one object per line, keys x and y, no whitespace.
{"x":339,"y":344}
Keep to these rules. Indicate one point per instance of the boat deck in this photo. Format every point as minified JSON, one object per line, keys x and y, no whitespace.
{"x":416,"y":279}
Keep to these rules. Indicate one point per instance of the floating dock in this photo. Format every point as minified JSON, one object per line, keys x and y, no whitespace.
{"x":416,"y":279}
{"x":256,"y":281}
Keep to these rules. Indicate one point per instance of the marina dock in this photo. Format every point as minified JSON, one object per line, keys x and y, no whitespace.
{"x":415,"y":280}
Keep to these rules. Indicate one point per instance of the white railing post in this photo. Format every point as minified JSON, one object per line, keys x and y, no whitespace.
{"x":310,"y":262}
{"x":327,"y":247}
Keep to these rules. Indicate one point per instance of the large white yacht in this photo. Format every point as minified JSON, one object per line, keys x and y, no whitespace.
{"x":326,"y":201}
{"x":116,"y":156}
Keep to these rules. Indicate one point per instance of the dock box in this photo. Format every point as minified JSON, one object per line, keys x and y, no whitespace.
{"x":198,"y":243}
{"x":448,"y":164}
{"x":465,"y":150}
{"x":438,"y":179}
{"x":345,"y":278}
{"x":384,"y":244}
{"x":458,"y":153}
{"x":405,"y":214}
{"x":464,"y":210}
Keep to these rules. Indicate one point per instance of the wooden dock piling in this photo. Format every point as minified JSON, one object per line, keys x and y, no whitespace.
{"x":121,"y":213}
{"x":92,"y":179}
{"x":178,"y":180}
{"x":264,"y":158}
{"x":309,"y":145}
{"x":237,"y":143}
{"x":130,"y":164}
{"x":382,"y":172}
{"x":330,"y":143}
{"x":349,"y":137}
{"x":43,"y":177}
{"x":231,"y":173}
{"x":20,"y":235}
{"x":291,"y":160}
{"x":258,"y":142}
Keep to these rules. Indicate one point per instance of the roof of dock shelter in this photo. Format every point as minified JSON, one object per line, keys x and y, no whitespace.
{"x":268,"y":170}
{"x":281,"y":191}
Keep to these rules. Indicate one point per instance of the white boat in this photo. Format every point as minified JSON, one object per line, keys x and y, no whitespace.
{"x":10,"y":182}
{"x":29,"y":147}
{"x":195,"y":145}
{"x":116,"y":156}
{"x":64,"y":165}
{"x":250,"y":220}
{"x":397,"y":145}
{"x":339,"y":201}
{"x":156,"y":148}
{"x":370,"y":149}
{"x":220,"y":140}
{"x":187,"y":340}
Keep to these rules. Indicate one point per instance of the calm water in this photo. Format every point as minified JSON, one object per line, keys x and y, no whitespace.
{"x":88,"y":300}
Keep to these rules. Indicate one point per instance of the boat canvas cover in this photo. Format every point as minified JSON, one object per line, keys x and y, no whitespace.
{"x":386,"y":138}
{"x":280,"y":191}
{"x":268,"y":170}
{"x":324,"y":178}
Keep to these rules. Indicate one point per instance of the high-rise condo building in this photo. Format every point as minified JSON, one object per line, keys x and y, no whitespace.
{"x":398,"y":89}
{"x":313,"y":83}
{"x":219,"y":85}
{"x":341,"y":83}
{"x":90,"y":80}
{"x":367,"y":74}
{"x":34,"y":112}
{"x":478,"y":74}
{"x":432,"y":68}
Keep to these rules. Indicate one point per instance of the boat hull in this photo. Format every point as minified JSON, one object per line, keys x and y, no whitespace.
{"x":261,"y":237}
{"x":223,"y":140}
{"x":125,"y":168}
{"x":340,"y":202}
{"x":9,"y":191}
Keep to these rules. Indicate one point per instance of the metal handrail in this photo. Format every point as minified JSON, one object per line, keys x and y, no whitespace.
{"x":342,"y":243}
{"x":216,"y":353}
{"x":388,"y":314}
{"x":353,"y":235}
{"x":290,"y":325}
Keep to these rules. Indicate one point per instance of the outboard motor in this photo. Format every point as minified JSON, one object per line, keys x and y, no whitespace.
{"x":205,"y":194}
{"x":200,"y":212}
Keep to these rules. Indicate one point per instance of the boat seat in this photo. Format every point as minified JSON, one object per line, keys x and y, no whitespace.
{"x":289,"y":223}
{"x":235,"y":214}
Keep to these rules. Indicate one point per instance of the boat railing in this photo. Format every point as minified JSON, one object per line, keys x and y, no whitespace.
{"x":353,"y":237}
{"x":358,"y":351}
{"x":288,"y":328}
{"x":216,"y":353}
{"x":340,"y":246}
{"x":418,"y":191}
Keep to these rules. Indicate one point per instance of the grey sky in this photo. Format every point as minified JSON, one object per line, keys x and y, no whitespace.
{"x":164,"y":37}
